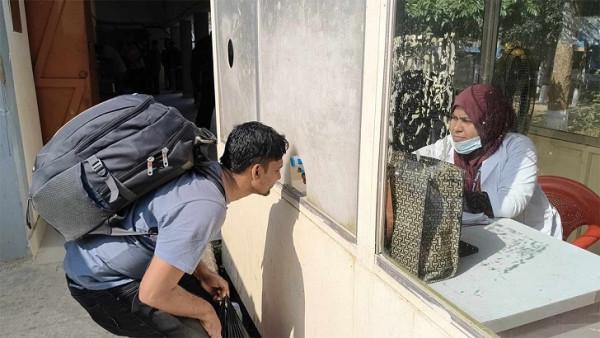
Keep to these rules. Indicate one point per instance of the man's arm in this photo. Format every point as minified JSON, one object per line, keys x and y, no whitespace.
{"x":159,"y":289}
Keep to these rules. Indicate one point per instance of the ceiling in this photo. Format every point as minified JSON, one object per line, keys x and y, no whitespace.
{"x":147,"y":13}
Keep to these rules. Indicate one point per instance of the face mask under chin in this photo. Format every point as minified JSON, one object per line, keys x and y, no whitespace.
{"x":467,"y":146}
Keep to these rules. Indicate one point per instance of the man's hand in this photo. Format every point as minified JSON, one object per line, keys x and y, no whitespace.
{"x":159,"y":289}
{"x":214,"y":284}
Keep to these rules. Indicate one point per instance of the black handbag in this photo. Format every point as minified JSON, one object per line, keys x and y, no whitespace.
{"x":427,"y":205}
{"x":231,"y":325}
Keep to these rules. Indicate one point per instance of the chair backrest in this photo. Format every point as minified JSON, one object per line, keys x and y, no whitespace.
{"x":577,"y":204}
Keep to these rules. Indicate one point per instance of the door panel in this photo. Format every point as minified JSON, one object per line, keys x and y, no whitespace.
{"x":60,"y":54}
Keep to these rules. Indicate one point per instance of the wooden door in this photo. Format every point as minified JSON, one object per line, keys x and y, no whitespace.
{"x":61,"y":54}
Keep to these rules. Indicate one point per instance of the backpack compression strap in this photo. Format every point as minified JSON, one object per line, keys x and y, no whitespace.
{"x":114,"y":185}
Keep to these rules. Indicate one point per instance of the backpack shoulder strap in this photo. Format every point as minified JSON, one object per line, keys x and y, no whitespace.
{"x":211,"y":176}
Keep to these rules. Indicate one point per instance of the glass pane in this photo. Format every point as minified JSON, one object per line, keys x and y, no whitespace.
{"x":549,"y":61}
{"x":436,"y":54}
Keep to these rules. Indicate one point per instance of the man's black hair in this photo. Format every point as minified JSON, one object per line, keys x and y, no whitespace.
{"x":252,"y":143}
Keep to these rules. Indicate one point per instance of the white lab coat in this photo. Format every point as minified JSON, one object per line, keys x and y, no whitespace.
{"x":509,"y":177}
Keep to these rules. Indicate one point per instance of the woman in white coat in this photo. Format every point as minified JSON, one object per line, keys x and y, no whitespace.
{"x":495,"y":161}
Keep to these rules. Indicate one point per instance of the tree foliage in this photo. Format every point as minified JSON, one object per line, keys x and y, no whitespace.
{"x":441,"y":16}
{"x":524,"y":19}
{"x":532,"y":24}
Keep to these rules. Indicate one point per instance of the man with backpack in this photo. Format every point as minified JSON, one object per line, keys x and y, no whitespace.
{"x":152,"y":285}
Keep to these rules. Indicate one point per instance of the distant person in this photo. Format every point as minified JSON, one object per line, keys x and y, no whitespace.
{"x":136,"y":68}
{"x":156,"y":285}
{"x":154,"y":65}
{"x":166,"y":63}
{"x":111,"y":70}
{"x":203,"y":80}
{"x":171,"y":59}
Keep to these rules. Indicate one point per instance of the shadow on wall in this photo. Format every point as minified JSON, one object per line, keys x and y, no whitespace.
{"x":283,"y":285}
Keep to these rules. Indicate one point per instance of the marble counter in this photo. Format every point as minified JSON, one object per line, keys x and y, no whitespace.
{"x":520,"y":276}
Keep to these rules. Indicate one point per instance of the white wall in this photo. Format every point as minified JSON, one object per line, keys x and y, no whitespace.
{"x":29,"y":118}
{"x":26,"y":100}
{"x":289,"y":293}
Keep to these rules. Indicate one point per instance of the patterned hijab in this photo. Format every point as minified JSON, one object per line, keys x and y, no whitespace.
{"x":492,"y":116}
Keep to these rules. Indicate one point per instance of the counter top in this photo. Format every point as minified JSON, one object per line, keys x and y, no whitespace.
{"x":520,"y":276}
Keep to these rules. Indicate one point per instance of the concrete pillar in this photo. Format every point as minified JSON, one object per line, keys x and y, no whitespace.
{"x":13,"y":199}
{"x":185,"y":31}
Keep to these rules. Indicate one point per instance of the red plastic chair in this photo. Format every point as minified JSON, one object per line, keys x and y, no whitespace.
{"x":577,"y":205}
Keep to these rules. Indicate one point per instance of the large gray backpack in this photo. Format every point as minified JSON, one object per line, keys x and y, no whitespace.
{"x":107,"y":157}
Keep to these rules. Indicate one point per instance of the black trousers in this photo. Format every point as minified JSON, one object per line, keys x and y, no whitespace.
{"x":119,"y":311}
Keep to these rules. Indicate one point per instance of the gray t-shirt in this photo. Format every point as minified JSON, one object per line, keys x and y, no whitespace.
{"x":188,"y":212}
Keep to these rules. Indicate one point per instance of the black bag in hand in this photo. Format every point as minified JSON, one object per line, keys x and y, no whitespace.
{"x":231,"y":324}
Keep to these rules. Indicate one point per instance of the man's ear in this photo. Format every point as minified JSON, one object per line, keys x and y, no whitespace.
{"x":256,"y":171}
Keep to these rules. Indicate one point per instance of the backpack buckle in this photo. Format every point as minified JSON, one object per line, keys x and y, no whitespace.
{"x":97,"y":165}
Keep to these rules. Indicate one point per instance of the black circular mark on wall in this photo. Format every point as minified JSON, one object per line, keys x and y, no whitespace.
{"x":230,"y":53}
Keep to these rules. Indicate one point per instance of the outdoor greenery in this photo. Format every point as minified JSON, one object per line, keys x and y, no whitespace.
{"x":543,"y":29}
{"x":438,"y":17}
{"x":533,"y":24}
{"x":585,"y":120}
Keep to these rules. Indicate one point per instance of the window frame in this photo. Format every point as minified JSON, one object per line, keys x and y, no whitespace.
{"x":402,"y":276}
